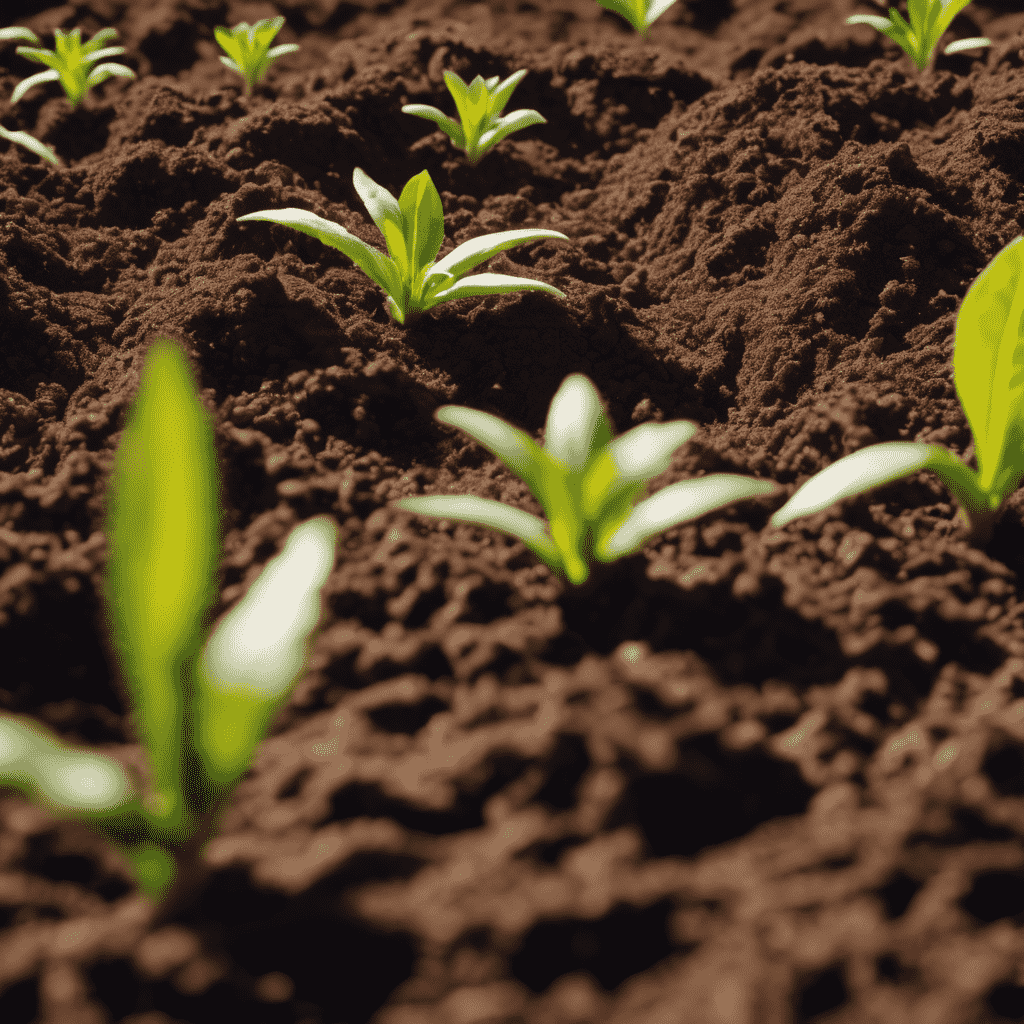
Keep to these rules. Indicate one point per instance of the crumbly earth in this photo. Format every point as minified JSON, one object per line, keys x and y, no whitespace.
{"x":752,"y":776}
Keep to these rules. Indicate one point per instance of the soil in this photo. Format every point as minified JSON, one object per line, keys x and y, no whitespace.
{"x":751,"y":775}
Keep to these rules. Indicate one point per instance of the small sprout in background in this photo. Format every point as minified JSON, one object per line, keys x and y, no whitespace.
{"x":918,"y":38}
{"x":247,"y":49}
{"x":413,"y":229}
{"x":33,"y":144}
{"x":479,"y":105}
{"x":71,"y":64}
{"x":988,"y":373}
{"x":203,"y":699}
{"x":585,"y":481}
{"x":641,"y":14}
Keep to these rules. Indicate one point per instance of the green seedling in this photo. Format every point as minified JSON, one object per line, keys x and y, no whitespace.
{"x":479,"y":105}
{"x":201,"y":709}
{"x":30,"y":143}
{"x":641,"y":14}
{"x":585,"y":482}
{"x":71,"y":63}
{"x":247,"y":50}
{"x":413,"y":229}
{"x":988,"y":373}
{"x":918,"y":38}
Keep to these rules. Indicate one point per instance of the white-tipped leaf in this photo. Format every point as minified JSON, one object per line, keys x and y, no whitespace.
{"x":468,"y":508}
{"x":513,"y":446}
{"x":374,"y":264}
{"x":258,"y":651}
{"x":679,"y":503}
{"x":466,"y":256}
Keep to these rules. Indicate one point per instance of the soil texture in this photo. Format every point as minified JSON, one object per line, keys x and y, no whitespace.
{"x":751,"y":775}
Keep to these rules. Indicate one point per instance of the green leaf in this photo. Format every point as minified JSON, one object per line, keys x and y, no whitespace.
{"x":387,"y":215}
{"x":163,"y":534}
{"x":423,"y":218}
{"x":635,"y":457}
{"x":879,"y":464}
{"x":466,"y":256}
{"x":30,"y":143}
{"x":514,"y":447}
{"x":679,"y":503}
{"x":467,"y":508}
{"x":374,"y":264}
{"x":988,"y":368}
{"x":449,"y":126}
{"x":258,"y":652}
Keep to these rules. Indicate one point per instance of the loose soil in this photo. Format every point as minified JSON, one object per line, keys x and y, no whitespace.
{"x":752,"y":776}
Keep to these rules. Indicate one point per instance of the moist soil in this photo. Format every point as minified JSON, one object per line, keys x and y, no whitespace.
{"x":750,"y":775}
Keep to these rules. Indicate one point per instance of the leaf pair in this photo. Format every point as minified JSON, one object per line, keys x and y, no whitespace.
{"x":413,"y":229}
{"x":479,"y":105}
{"x":70,"y":61}
{"x":202,"y":708}
{"x":248,"y":48}
{"x":988,"y":373}
{"x":586,"y":482}
{"x":919,"y":37}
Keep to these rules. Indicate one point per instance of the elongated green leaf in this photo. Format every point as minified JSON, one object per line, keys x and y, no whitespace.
{"x":988,"y":367}
{"x":513,"y":123}
{"x":423,"y":217}
{"x":67,"y":781}
{"x":163,"y":532}
{"x":503,"y":93}
{"x":17,"y":32}
{"x":466,"y":256}
{"x":960,"y":45}
{"x":679,"y":503}
{"x":387,"y":215}
{"x":450,"y":127}
{"x":30,"y":143}
{"x":467,"y":508}
{"x":487,"y":284}
{"x":374,"y":264}
{"x":882,"y":464}
{"x":257,"y":653}
{"x":513,"y":446}
{"x":23,"y":87}
{"x":577,"y":427}
{"x":636,"y":456}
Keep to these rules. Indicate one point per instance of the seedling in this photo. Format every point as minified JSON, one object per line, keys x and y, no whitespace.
{"x":71,"y":63}
{"x":988,"y":373}
{"x":479,"y":105}
{"x":585,"y":482}
{"x":641,"y":14}
{"x":918,"y":38}
{"x":33,"y":144}
{"x":247,"y":49}
{"x":413,"y":229}
{"x":201,"y":710}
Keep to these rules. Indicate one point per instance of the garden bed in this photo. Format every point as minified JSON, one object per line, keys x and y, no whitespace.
{"x":755,"y":775}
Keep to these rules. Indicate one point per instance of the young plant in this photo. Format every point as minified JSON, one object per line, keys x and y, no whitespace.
{"x":247,"y":49}
{"x":413,"y":229}
{"x":201,"y":708}
{"x":918,"y":38}
{"x":33,"y":144}
{"x":71,"y":63}
{"x":479,"y":105}
{"x":988,"y":373}
{"x":641,"y":14}
{"x":585,"y":482}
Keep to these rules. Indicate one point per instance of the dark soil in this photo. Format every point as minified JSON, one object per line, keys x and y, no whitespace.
{"x":755,"y":776}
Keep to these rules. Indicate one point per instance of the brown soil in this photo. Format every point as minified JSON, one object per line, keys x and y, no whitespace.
{"x":755,"y":776}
